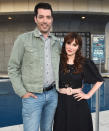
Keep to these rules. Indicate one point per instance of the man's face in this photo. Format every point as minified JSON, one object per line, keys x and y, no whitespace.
{"x":44,"y":20}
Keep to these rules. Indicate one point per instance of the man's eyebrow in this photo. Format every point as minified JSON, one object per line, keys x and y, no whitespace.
{"x":40,"y":15}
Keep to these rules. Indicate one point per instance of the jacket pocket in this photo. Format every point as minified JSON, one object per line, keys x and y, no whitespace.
{"x":31,"y":55}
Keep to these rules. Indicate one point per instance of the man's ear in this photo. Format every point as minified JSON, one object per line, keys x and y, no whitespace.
{"x":35,"y":19}
{"x":52,"y":19}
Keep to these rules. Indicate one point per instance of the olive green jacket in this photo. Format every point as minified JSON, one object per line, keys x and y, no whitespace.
{"x":26,"y":64}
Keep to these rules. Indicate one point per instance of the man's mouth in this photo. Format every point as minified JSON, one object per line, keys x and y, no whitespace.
{"x":44,"y":26}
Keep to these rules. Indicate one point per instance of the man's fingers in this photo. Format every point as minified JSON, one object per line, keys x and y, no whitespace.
{"x":32,"y":95}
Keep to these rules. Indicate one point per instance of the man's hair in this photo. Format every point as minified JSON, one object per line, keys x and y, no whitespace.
{"x":42,"y":6}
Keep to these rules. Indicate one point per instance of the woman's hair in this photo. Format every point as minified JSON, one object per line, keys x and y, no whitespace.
{"x":79,"y":59}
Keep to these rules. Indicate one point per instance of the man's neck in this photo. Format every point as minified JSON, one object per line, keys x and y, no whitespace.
{"x":45,"y":35}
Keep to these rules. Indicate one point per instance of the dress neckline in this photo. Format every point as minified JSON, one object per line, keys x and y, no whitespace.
{"x":70,"y":64}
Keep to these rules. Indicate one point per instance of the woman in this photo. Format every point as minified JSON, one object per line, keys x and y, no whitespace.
{"x":72,"y":113}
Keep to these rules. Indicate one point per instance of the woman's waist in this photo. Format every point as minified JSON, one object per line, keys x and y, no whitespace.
{"x":73,"y":86}
{"x":70,"y":90}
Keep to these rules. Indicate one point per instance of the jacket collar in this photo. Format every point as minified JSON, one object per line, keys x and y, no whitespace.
{"x":37,"y":33}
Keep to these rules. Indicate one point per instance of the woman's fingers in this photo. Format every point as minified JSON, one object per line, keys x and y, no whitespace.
{"x":81,"y":96}
{"x":80,"y":99}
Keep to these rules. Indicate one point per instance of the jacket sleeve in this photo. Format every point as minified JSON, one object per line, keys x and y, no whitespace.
{"x":91,"y":73}
{"x":14,"y":67}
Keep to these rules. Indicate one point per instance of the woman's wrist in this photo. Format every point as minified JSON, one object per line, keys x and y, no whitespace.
{"x":76,"y":90}
{"x":89,"y":94}
{"x":63,"y":90}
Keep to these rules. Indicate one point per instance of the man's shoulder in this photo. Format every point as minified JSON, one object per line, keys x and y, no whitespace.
{"x":57,"y":42}
{"x":55,"y":38}
{"x":25,"y":35}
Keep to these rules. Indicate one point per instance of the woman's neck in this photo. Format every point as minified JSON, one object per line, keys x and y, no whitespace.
{"x":70,"y":59}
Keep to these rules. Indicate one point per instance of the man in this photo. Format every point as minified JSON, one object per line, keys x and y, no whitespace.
{"x":33,"y":70}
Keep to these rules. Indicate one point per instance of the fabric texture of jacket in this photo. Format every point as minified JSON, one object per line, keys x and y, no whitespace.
{"x":26,"y":64}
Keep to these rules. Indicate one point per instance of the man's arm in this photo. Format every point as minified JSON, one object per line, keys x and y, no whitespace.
{"x":14,"y":67}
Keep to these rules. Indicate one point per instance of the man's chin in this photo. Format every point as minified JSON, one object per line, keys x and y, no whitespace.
{"x":45,"y":31}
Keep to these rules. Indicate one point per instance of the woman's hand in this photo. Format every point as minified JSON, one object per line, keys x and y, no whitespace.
{"x":78,"y":90}
{"x":69,"y":91}
{"x":62,"y":90}
{"x":81,"y":95}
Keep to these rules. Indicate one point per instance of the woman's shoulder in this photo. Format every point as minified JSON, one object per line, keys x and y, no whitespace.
{"x":89,"y":65}
{"x":88,"y":61}
{"x":91,"y":72}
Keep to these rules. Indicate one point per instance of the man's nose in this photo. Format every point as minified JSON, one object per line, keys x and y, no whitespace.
{"x":45,"y":20}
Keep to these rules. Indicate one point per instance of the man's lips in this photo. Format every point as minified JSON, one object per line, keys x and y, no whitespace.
{"x":44,"y":26}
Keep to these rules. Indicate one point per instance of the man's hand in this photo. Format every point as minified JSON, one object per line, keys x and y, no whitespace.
{"x":27,"y":95}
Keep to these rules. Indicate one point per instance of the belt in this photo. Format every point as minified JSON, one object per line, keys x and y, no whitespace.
{"x":52,"y":86}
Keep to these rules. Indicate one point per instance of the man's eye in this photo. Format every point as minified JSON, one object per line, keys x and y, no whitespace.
{"x":40,"y":17}
{"x":49,"y":17}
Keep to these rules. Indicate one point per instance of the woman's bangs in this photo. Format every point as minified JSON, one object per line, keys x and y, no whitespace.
{"x":69,"y":41}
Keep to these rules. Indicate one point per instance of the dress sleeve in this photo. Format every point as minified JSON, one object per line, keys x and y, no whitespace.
{"x":90,"y":73}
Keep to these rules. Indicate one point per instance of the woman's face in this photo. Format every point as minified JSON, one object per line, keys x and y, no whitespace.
{"x":71,"y":48}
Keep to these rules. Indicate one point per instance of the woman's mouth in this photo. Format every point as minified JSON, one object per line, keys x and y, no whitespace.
{"x":69,"y":51}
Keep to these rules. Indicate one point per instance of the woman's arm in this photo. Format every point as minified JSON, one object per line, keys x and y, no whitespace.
{"x":81,"y":95}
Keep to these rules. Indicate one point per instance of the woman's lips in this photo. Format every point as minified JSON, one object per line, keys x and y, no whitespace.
{"x":69,"y":51}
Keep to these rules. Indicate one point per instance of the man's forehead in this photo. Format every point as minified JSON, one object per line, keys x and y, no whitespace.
{"x":43,"y":11}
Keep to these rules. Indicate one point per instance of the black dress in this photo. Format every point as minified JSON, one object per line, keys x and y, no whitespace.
{"x":73,"y":115}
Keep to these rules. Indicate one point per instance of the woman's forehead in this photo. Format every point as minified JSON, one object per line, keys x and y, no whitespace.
{"x":72,"y":41}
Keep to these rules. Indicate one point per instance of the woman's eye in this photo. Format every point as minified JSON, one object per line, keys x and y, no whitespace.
{"x":68,"y":42}
{"x":75,"y":45}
